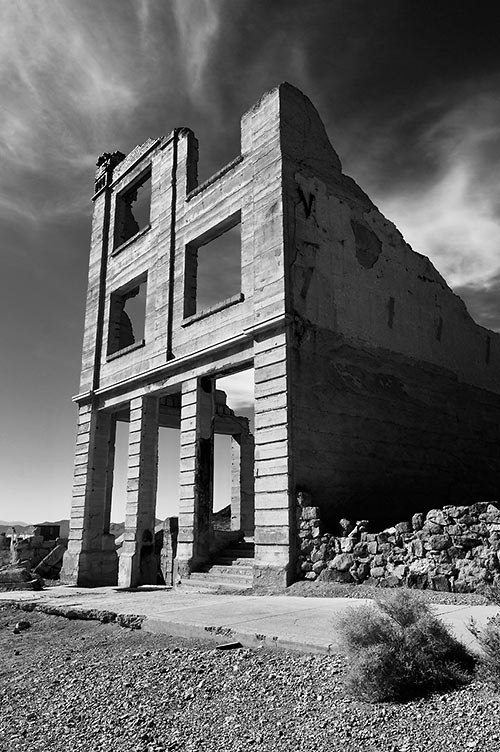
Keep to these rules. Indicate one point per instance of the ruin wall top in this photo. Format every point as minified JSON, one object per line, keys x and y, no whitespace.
{"x":314,"y":250}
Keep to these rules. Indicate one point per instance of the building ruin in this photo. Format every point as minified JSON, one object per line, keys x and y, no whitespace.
{"x":375,"y":391}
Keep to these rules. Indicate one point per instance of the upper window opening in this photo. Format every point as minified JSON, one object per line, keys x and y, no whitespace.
{"x":127,"y":317}
{"x":213,"y":267}
{"x":133,"y":206}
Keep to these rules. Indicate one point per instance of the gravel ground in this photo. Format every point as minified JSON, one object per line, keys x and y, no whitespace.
{"x":337,"y":590}
{"x":75,"y":685}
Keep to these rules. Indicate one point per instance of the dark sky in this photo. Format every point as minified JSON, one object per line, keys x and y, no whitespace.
{"x":408,"y":92}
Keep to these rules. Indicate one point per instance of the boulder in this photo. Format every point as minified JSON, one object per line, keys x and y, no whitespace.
{"x":347,"y":544}
{"x":309,"y":513}
{"x":440,"y":582}
{"x":432,"y":528}
{"x":403,"y":528}
{"x":438,"y":517}
{"x":438,"y":542}
{"x":318,"y":566}
{"x":417,"y":521}
{"x":415,"y":547}
{"x":333,"y":575}
{"x":342,"y":562}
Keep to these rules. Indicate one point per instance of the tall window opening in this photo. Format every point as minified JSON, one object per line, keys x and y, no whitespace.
{"x":133,"y":206}
{"x":119,"y":492}
{"x":233,"y":506}
{"x":127,"y":316}
{"x":213,"y":267}
{"x":167,"y":496}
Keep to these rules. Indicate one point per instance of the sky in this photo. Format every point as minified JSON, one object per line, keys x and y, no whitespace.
{"x":408,"y":92}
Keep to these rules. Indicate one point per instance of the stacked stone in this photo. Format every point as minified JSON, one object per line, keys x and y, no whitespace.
{"x":455,"y":549}
{"x":314,"y":546}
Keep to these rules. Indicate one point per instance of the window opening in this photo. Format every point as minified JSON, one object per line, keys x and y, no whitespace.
{"x":213,"y":268}
{"x":133,"y":206}
{"x":127,"y":317}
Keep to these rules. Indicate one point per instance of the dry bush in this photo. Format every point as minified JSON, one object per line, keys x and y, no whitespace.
{"x":491,"y":591}
{"x":489,"y":640}
{"x":398,"y":650}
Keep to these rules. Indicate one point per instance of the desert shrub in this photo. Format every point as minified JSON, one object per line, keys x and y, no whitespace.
{"x":489,"y":640}
{"x":398,"y":650}
{"x":491,"y":590}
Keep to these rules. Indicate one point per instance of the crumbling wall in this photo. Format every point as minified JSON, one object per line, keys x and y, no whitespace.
{"x":36,"y":552}
{"x":454,"y":549}
{"x":395,"y":391}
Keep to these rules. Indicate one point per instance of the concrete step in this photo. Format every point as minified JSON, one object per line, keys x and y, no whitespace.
{"x":211,"y":586}
{"x":231,"y":579}
{"x":227,"y":561}
{"x":220,"y":570}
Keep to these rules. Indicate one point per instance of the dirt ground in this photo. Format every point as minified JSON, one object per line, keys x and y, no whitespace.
{"x":80,"y":685}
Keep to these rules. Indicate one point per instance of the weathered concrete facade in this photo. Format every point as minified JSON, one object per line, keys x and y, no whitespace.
{"x":374,"y":389}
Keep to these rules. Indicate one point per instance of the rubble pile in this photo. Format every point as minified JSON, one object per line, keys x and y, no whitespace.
{"x":454,"y":549}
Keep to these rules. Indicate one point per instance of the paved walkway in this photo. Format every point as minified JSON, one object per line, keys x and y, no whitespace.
{"x":304,"y":624}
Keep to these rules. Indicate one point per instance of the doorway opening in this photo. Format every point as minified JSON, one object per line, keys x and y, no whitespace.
{"x":233,"y":506}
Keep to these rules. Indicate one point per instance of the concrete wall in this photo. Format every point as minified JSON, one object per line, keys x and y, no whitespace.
{"x":395,"y":390}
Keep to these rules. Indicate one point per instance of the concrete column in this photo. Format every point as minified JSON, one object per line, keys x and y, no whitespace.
{"x":138,"y":564}
{"x":235,"y":483}
{"x":274,"y":502}
{"x":196,"y":474}
{"x":91,"y":557}
{"x":242,"y":483}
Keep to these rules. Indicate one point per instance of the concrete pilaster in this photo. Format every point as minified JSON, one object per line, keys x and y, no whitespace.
{"x":196,"y":474}
{"x":137,"y":559}
{"x":274,"y":504}
{"x":91,"y":557}
{"x":242,"y":483}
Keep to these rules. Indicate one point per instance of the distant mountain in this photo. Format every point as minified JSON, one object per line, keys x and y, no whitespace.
{"x":116,"y":528}
{"x":21,"y":528}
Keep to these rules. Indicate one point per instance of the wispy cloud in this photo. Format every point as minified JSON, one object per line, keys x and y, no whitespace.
{"x":198,"y":23}
{"x":61,"y":81}
{"x":455,"y":218}
{"x":63,"y":86}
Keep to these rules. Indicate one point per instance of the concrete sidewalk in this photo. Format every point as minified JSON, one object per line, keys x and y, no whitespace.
{"x":291,"y":622}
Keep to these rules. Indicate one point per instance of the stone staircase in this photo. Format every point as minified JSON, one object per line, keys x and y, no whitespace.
{"x":230,"y":570}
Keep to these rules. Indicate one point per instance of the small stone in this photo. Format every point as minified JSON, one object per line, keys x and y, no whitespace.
{"x":23,"y":625}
